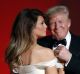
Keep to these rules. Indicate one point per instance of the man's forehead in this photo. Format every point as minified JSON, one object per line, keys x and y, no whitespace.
{"x":58,"y":15}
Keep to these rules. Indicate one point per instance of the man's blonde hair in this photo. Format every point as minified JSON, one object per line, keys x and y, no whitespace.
{"x":58,"y":9}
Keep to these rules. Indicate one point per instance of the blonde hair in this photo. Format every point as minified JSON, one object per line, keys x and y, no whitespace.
{"x":22,"y":38}
{"x":58,"y":9}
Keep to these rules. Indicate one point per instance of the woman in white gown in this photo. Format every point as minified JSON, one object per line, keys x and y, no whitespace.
{"x":23,"y":54}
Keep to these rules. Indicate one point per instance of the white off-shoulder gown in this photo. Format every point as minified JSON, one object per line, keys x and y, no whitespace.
{"x":37,"y":68}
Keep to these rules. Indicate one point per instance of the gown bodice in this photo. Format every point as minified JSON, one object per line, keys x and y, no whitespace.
{"x":38,"y":68}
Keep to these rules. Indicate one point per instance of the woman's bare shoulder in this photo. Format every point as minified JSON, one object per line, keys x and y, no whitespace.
{"x":47,"y":52}
{"x":44,"y":54}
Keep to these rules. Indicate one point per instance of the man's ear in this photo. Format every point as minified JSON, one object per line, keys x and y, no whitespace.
{"x":69,"y":22}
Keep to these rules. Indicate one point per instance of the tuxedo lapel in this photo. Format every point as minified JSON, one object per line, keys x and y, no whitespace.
{"x":75,"y":44}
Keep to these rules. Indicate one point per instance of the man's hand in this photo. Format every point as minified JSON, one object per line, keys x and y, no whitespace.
{"x":63,"y":53}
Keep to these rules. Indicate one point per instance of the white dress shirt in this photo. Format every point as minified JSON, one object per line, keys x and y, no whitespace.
{"x":68,"y":41}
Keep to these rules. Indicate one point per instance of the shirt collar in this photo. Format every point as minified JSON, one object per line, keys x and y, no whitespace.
{"x":68,"y":39}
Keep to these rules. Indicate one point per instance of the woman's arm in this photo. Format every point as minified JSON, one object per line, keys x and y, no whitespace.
{"x":61,"y":71}
{"x":51,"y":70}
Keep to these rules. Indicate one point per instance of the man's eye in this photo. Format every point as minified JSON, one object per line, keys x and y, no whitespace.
{"x":60,"y":21}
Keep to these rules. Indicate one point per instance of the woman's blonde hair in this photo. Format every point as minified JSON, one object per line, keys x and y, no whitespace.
{"x":22,"y":37}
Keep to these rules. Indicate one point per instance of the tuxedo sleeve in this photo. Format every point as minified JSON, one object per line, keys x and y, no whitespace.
{"x":74,"y":64}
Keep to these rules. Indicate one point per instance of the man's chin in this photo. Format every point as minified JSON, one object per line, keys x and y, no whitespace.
{"x":59,"y":37}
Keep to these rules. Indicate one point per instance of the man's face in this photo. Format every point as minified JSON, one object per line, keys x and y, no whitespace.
{"x":59,"y":25}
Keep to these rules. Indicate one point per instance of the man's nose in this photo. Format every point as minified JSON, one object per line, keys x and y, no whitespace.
{"x":57,"y":25}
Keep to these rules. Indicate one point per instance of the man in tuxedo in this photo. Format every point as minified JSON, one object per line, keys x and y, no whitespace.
{"x":69,"y":50}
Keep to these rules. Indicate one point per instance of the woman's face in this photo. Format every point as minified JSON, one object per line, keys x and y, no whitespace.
{"x":40,"y":29}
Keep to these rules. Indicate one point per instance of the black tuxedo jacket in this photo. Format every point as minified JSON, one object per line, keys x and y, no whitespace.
{"x":73,"y":66}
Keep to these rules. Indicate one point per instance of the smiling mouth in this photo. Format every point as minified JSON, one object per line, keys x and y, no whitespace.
{"x":57,"y":31}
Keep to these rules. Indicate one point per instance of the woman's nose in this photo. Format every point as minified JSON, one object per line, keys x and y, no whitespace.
{"x":45,"y":25}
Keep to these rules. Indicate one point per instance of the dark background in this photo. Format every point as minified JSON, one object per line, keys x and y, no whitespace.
{"x":9,"y":10}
